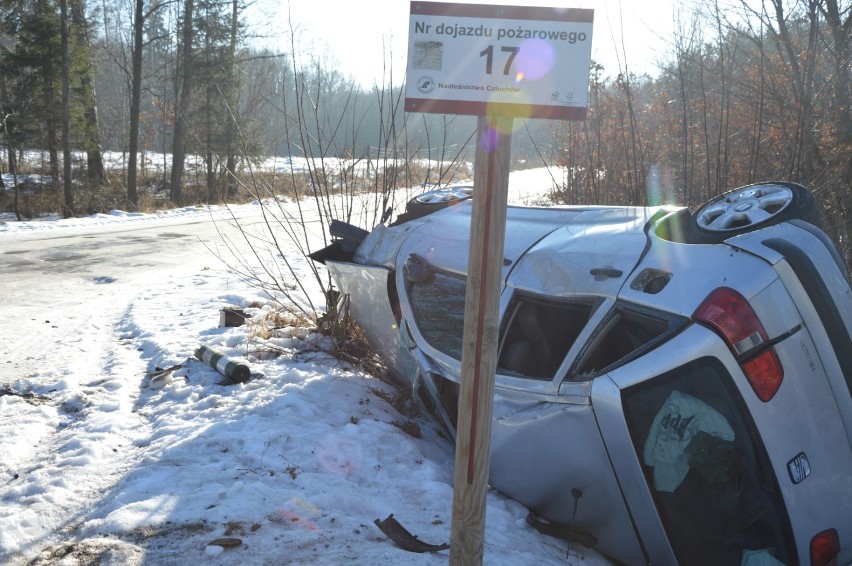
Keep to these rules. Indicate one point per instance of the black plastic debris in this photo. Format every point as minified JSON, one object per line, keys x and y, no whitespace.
{"x":404,"y":539}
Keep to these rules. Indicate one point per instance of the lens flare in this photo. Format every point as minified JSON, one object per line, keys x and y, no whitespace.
{"x":298,"y":513}
{"x":339,"y":455}
{"x":534,"y":61}
{"x":488,"y":139}
{"x":520,"y":106}
{"x":659,"y":185}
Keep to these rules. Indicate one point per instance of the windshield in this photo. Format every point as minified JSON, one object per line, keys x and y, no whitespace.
{"x":438,"y":304}
{"x":706,"y":468}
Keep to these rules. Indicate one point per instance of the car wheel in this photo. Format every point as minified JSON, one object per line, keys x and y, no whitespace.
{"x":437,"y":199}
{"x":750,"y":208}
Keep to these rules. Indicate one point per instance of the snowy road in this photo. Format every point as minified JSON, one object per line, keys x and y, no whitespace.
{"x":67,"y":291}
{"x":101,"y":464}
{"x":61,"y":284}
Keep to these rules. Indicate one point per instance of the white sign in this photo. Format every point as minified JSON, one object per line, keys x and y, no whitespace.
{"x":524,"y":62}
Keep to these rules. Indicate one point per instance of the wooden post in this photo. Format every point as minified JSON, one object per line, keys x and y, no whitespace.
{"x":481,"y":328}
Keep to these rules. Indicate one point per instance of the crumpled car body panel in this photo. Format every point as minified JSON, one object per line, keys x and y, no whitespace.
{"x":600,"y":356}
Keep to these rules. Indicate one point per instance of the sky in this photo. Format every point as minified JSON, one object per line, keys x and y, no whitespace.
{"x":364,"y":37}
{"x":105,"y":461}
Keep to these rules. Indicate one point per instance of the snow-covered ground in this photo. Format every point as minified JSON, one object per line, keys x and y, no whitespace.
{"x":103,"y":463}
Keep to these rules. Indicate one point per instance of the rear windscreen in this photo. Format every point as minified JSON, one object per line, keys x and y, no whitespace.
{"x":706,"y":468}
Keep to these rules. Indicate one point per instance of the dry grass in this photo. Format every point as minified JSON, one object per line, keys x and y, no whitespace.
{"x":152,"y":195}
{"x":401,"y":401}
{"x":349,"y":344}
{"x":345,"y":341}
{"x":340,"y":337}
{"x":35,"y":200}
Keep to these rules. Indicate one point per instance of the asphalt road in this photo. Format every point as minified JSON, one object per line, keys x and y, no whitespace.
{"x":59,"y":284}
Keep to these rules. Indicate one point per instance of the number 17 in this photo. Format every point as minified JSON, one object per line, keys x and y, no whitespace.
{"x":488,"y":53}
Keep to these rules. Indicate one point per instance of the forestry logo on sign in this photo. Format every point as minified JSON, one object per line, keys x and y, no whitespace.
{"x":425,"y":84}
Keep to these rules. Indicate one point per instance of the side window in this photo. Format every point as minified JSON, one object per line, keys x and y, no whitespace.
{"x":438,"y":304}
{"x":538,"y":334}
{"x":625,"y":334}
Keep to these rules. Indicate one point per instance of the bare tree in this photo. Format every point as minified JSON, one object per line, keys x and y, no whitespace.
{"x":183,"y":77}
{"x":135,"y":101}
{"x":840,"y":160}
{"x":68,"y":187}
{"x":6,"y":122}
{"x":87,"y":95}
{"x":230,"y":96}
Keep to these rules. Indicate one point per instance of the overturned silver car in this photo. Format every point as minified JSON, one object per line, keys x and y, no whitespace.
{"x":673,"y":387}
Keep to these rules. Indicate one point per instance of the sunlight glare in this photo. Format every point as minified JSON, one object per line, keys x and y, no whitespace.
{"x":535,"y":59}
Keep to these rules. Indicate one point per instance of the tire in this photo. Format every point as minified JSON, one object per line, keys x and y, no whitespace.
{"x":750,"y":208}
{"x":437,"y":199}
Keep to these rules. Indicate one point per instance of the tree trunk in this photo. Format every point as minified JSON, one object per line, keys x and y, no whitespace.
{"x":842,"y":60}
{"x":842,"y":53}
{"x":685,"y":132}
{"x":135,"y":103}
{"x":5,"y":116}
{"x":94,"y":150}
{"x":208,"y":151}
{"x":6,"y":113}
{"x":52,"y":150}
{"x":68,"y":209}
{"x":231,"y":105}
{"x":210,"y":173}
{"x":184,"y":78}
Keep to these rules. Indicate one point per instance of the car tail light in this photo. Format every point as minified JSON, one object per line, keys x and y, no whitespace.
{"x":824,"y":548}
{"x":731,"y":316}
